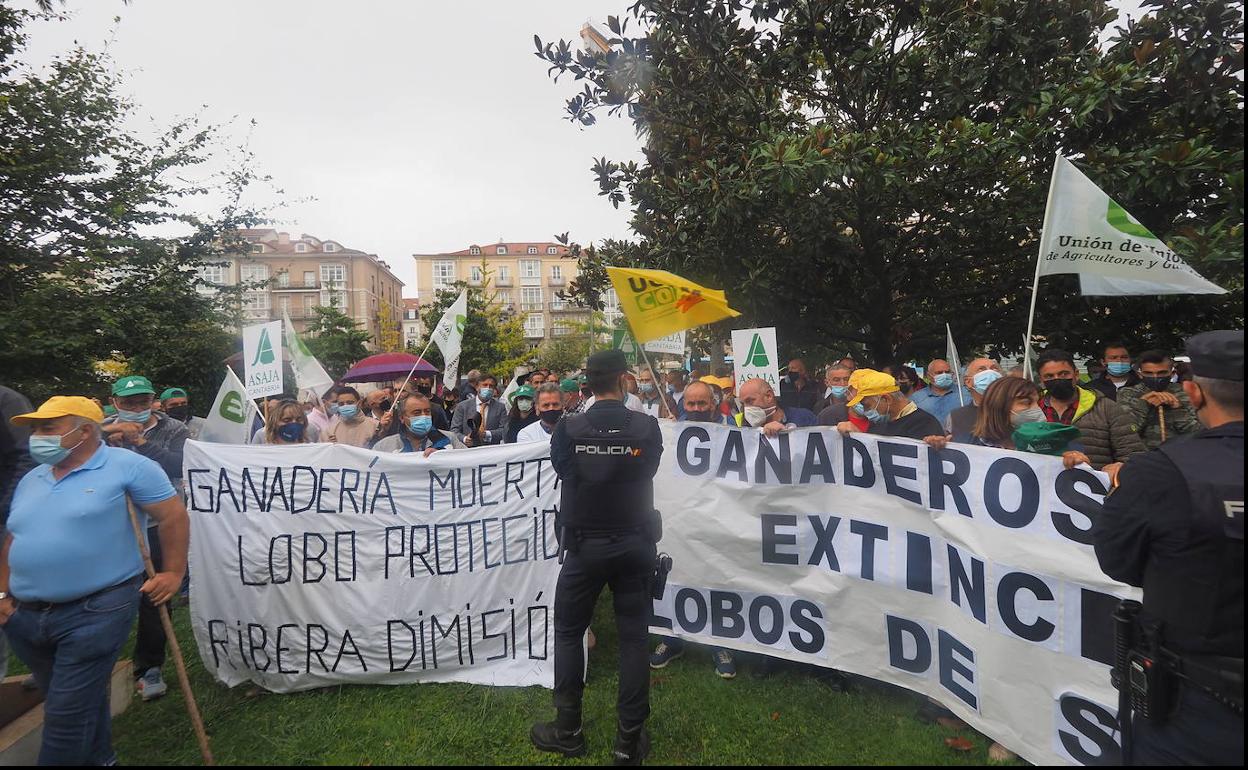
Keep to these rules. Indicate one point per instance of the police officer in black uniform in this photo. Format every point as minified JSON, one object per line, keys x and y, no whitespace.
{"x":1175,"y":526}
{"x":606,"y":459}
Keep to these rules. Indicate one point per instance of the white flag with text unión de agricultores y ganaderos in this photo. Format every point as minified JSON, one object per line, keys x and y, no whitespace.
{"x":1086,"y":232}
{"x":449,"y":337}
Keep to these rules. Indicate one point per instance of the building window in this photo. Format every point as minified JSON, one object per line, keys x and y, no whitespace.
{"x":552,"y":250}
{"x":443,"y":274}
{"x":530,"y":298}
{"x":309,"y":278}
{"x":475,"y":251}
{"x":309,"y":302}
{"x":556,"y":272}
{"x":301,"y":247}
{"x":504,"y":272}
{"x":502,"y":297}
{"x":534,"y":325}
{"x":530,"y":268}
{"x":531,"y":250}
{"x":283,"y":279}
{"x":560,"y":329}
{"x":257,"y":248}
{"x":214,"y":274}
{"x":334,"y":285}
{"x":500,"y":249}
{"x":333,"y":273}
{"x":330,"y":247}
{"x":476,"y":274}
{"x":254,"y":273}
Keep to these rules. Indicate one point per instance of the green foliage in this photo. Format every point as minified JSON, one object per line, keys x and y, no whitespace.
{"x":860,"y":173}
{"x":493,"y":340}
{"x":81,"y":281}
{"x":336,"y":340}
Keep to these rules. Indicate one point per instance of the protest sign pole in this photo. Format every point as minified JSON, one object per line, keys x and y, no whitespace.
{"x":670,"y":406}
{"x":408,"y":379}
{"x":184,"y":681}
{"x":1035,"y":284}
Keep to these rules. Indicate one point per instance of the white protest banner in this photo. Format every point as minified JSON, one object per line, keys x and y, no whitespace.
{"x":326,"y":564}
{"x":672,"y":344}
{"x":449,"y":337}
{"x":232,"y":413}
{"x":964,"y":574}
{"x":1087,"y":232}
{"x":262,"y":359}
{"x":754,"y":355}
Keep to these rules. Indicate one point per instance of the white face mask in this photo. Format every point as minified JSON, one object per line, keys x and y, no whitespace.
{"x":756,"y":416}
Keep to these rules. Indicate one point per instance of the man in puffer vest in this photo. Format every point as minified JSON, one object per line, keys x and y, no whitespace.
{"x":1108,"y":433}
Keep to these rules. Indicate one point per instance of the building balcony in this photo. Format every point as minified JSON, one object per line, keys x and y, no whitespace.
{"x":532,"y":307}
{"x":532,"y":332}
{"x":562,"y":331}
{"x":563,"y":306}
{"x":500,"y":281}
{"x":298,"y":287}
{"x":533,"y":280}
{"x":555,"y":281}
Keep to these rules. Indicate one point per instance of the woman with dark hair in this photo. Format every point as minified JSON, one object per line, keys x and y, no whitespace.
{"x":522,"y":413}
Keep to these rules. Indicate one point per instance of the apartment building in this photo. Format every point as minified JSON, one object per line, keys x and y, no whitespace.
{"x":305,"y":273}
{"x":524,"y":278}
{"x":413,"y":328}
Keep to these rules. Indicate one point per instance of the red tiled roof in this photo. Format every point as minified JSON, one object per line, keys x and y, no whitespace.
{"x":513,"y":249}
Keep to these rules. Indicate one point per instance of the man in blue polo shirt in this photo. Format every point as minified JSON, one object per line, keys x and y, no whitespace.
{"x":71,"y":573}
{"x":941,"y":396}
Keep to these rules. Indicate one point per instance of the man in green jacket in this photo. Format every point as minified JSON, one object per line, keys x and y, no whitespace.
{"x":1108,"y":435}
{"x":1156,"y":398}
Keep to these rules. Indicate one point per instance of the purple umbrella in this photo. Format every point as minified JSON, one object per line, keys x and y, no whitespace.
{"x":387,"y":366}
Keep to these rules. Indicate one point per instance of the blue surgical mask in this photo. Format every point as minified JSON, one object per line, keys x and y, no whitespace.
{"x":983,"y":379}
{"x":839,"y":391}
{"x":348,"y":411}
{"x":421,"y":425}
{"x":486,"y":394}
{"x":47,"y":450}
{"x":944,"y":380}
{"x":291,"y":431}
{"x":1119,"y":368}
{"x":646,"y":387}
{"x":139,"y":417}
{"x":332,"y":410}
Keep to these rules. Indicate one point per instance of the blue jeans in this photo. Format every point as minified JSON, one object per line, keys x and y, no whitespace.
{"x":71,"y":649}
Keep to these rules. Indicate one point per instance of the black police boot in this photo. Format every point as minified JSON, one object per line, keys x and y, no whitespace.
{"x":563,"y":735}
{"x":631,"y":746}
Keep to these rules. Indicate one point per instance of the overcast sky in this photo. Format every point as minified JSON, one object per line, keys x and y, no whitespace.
{"x":396,"y":128}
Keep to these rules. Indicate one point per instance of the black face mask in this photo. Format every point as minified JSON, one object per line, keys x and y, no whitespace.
{"x":386,"y":404}
{"x":425,"y":389}
{"x":179,"y":413}
{"x":586,"y":392}
{"x":551,"y":416}
{"x":793,"y":378}
{"x":700,"y":416}
{"x":904,"y":387}
{"x":1062,"y":390}
{"x":1157,"y":384}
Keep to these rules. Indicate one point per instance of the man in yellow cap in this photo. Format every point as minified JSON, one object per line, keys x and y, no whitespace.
{"x":70,"y":570}
{"x":875,"y":396}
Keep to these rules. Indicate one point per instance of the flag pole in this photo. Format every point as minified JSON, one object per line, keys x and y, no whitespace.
{"x":408,"y":379}
{"x":671,"y":408}
{"x":1035,"y":284}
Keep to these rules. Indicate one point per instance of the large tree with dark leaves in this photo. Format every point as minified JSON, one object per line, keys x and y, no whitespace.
{"x":82,"y":278}
{"x":859,"y":173}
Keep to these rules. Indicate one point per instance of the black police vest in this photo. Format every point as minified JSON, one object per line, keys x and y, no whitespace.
{"x":1202,"y":604}
{"x":612,"y":487}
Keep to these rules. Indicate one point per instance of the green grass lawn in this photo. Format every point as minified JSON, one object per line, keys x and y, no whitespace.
{"x":759,"y":718}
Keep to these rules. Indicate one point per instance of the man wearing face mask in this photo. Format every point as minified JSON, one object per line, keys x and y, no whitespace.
{"x":875,"y":396}
{"x":652,"y":401}
{"x":178,"y":407}
{"x":760,"y":409}
{"x":70,"y":572}
{"x":549,"y":410}
{"x":416,"y":433}
{"x":608,"y":528}
{"x":481,"y":420}
{"x":350,"y":425}
{"x":1109,"y":436}
{"x":980,"y":373}
{"x":941,"y":396}
{"x":1174,"y":526}
{"x":1156,"y":398}
{"x":1118,"y":372}
{"x":797,"y":390}
{"x":831,"y":408}
{"x":158,"y":437}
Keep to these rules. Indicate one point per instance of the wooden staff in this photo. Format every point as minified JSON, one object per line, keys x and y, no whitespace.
{"x":166,"y":623}
{"x":1161,"y":419}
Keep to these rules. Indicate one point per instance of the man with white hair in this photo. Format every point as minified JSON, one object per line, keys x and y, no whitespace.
{"x":763,"y":410}
{"x":980,"y":373}
{"x":70,"y":570}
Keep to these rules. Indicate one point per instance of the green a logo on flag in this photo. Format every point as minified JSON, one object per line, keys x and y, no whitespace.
{"x":232,"y":408}
{"x":1120,"y":220}
{"x":264,"y":349}
{"x":460,"y":323}
{"x":758,"y":353}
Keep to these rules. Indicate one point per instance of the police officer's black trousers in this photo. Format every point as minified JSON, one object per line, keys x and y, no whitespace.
{"x":625,"y":562}
{"x":1202,"y":731}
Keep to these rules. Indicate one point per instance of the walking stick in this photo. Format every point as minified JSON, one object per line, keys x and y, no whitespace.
{"x":1161,"y":419}
{"x":166,"y":623}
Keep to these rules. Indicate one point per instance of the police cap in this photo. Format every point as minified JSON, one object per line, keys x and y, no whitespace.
{"x":606,"y":362}
{"x":1218,"y":355}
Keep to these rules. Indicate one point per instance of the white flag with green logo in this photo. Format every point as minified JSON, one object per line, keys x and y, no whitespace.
{"x":1087,"y":233}
{"x":449,"y":337}
{"x":310,"y":376}
{"x":232,"y":413}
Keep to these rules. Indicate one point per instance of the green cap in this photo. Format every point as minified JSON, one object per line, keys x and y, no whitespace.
{"x":129,"y":386}
{"x":1045,"y":438}
{"x":524,"y":391}
{"x":173,"y":393}
{"x":569,"y":385}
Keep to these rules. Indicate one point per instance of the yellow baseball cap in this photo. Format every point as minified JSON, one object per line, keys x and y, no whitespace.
{"x":869,"y":382}
{"x":61,"y":406}
{"x":724,"y":383}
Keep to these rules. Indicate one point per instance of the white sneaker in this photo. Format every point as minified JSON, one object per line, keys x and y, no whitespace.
{"x":152,"y":685}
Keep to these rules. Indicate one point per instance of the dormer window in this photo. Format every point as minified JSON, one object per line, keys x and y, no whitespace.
{"x":301,"y":247}
{"x":552,"y":250}
{"x":500,"y":250}
{"x":531,"y":250}
{"x":330,"y":247}
{"x":475,"y":251}
{"x":257,"y":248}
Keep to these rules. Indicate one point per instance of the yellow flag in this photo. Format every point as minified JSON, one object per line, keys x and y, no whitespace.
{"x":658,"y":303}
